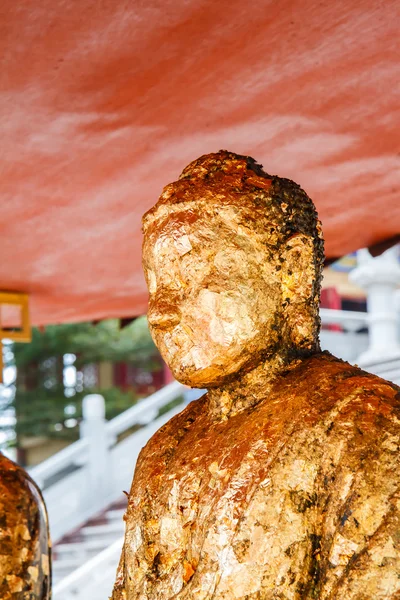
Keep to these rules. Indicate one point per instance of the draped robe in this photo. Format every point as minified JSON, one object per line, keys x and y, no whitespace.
{"x":294,"y":498}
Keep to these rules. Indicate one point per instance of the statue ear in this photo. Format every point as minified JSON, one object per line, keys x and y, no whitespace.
{"x":298,"y":271}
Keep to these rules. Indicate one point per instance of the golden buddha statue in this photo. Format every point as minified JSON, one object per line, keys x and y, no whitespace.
{"x":25,"y":569}
{"x":282,"y":482}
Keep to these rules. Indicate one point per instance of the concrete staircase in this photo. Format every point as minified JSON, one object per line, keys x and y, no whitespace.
{"x":98,"y":534}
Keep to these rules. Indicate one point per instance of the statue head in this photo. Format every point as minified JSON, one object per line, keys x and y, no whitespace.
{"x":233,"y":260}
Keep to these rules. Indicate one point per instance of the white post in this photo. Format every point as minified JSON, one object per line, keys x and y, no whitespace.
{"x":93,"y":428}
{"x":380,"y":277}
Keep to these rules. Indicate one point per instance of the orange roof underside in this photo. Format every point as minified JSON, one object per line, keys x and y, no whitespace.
{"x":103,"y":103}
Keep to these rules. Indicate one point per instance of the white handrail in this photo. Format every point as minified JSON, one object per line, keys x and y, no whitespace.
{"x":142,"y":413}
{"x":331,"y":316}
{"x":59,"y":461}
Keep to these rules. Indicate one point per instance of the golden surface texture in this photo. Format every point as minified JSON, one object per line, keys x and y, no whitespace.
{"x":25,"y":555}
{"x":282,"y":482}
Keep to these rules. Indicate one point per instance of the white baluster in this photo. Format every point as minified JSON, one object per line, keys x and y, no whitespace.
{"x":380,"y":277}
{"x":93,"y":428}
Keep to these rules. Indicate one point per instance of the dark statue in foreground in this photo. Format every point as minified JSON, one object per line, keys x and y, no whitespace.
{"x":283,"y":481}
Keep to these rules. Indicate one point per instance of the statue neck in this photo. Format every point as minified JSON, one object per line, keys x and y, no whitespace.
{"x":249,"y":388}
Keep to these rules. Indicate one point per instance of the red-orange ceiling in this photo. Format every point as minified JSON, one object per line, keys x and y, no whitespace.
{"x":103,"y":103}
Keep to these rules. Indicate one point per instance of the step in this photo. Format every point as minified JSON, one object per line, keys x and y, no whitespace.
{"x":97,"y":543}
{"x":67,"y":564}
{"x":89,"y":541}
{"x":115,"y":514}
{"x":114,"y":528}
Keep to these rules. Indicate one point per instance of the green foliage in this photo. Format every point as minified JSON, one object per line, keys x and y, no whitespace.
{"x":167,"y":407}
{"x":42,"y":407}
{"x":44,"y":414}
{"x":91,"y":343}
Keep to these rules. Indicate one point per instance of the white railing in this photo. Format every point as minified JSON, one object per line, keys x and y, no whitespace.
{"x":87,"y":476}
{"x":350,"y":320}
{"x":350,"y":345}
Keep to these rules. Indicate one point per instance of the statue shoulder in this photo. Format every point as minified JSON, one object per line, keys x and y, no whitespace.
{"x":163,"y":443}
{"x":351,"y":389}
{"x":351,"y":407}
{"x":360,"y":393}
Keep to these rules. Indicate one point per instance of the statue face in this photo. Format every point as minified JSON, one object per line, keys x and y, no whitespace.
{"x":215,"y":294}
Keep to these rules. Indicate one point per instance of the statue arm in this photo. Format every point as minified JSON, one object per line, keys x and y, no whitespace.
{"x":361,"y":546}
{"x":373,"y":570}
{"x":152,"y":461}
